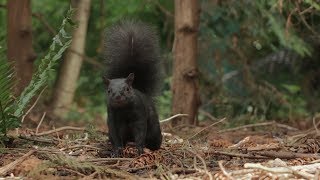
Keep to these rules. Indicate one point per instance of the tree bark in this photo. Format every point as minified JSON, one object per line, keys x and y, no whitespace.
{"x":70,"y":69}
{"x":185,"y":71}
{"x":19,"y":41}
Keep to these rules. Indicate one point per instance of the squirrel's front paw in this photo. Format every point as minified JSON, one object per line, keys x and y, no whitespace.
{"x":140,"y":150}
{"x":117,"y":152}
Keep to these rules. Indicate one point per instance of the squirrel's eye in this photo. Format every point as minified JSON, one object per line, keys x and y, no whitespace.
{"x":127,"y":89}
{"x":109,"y":91}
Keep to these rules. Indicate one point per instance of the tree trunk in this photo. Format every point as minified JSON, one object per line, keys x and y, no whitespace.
{"x":185,"y":71}
{"x":70,"y":69}
{"x":19,"y":41}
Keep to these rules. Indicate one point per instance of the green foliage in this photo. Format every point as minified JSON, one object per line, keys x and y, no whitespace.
{"x":234,"y":36}
{"x":277,"y":26}
{"x":237,"y":36}
{"x":313,"y":4}
{"x":7,"y":120}
{"x":60,"y":43}
{"x":293,"y":89}
{"x":12,"y":110}
{"x":164,"y":101}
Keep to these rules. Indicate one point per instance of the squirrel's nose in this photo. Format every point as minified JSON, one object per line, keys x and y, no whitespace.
{"x":118,"y":97}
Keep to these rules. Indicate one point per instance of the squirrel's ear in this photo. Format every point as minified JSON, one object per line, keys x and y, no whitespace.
{"x":130,"y":78}
{"x":106,"y":81}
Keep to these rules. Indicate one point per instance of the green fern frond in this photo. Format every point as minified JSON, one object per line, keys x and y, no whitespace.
{"x":6,"y":75}
{"x":6,"y":87}
{"x":12,"y":109}
{"x":60,"y":43}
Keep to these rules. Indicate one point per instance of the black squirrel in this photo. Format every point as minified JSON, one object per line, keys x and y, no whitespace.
{"x":133,"y":80}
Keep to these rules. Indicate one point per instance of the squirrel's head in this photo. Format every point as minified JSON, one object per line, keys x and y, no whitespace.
{"x":119,"y":91}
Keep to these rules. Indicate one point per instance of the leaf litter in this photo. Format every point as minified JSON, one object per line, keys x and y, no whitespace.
{"x":251,"y":152}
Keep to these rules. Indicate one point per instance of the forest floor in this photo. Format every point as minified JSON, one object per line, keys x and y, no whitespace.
{"x":258,"y":151}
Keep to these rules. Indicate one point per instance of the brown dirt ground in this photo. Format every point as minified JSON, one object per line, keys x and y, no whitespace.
{"x":192,"y":152}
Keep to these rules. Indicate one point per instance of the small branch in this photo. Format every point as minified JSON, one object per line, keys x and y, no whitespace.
{"x":45,"y":23}
{"x":133,"y":170}
{"x":258,"y":125}
{"x":172,"y":117}
{"x":203,"y":162}
{"x":44,"y":114}
{"x":207,"y":128}
{"x":80,"y":146}
{"x":182,"y":170}
{"x":75,"y":172}
{"x":237,"y":155}
{"x":224,"y":171}
{"x":39,"y":16}
{"x":107,"y":159}
{"x":309,"y":9}
{"x":40,"y":140}
{"x":162,"y":9}
{"x":5,"y":169}
{"x":291,"y":170}
{"x":240,"y":143}
{"x":208,"y":115}
{"x":34,"y":104}
{"x":270,"y":146}
{"x":88,"y":59}
{"x":61,"y":129}
{"x":91,"y":176}
{"x":308,"y":26}
{"x":286,"y":155}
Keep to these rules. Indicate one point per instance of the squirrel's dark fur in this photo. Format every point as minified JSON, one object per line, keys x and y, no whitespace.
{"x":132,"y":81}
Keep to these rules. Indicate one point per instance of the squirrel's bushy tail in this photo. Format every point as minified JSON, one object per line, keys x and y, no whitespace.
{"x":133,"y":47}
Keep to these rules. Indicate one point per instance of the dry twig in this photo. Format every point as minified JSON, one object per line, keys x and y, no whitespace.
{"x":215,"y":123}
{"x":203,"y":162}
{"x":40,"y":140}
{"x":107,"y":159}
{"x":5,"y":169}
{"x":44,"y":114}
{"x":237,"y":155}
{"x":208,"y":115}
{"x":172,"y":117}
{"x":224,"y":171}
{"x":286,"y":155}
{"x":61,"y":129}
{"x":290,"y":170}
{"x":80,"y":146}
{"x":258,"y":125}
{"x":33,"y":105}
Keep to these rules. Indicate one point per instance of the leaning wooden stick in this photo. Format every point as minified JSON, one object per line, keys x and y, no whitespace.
{"x":61,"y":129}
{"x":5,"y":169}
{"x":172,"y":117}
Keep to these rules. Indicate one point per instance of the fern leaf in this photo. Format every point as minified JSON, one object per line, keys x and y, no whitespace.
{"x":59,"y":44}
{"x":6,"y":86}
